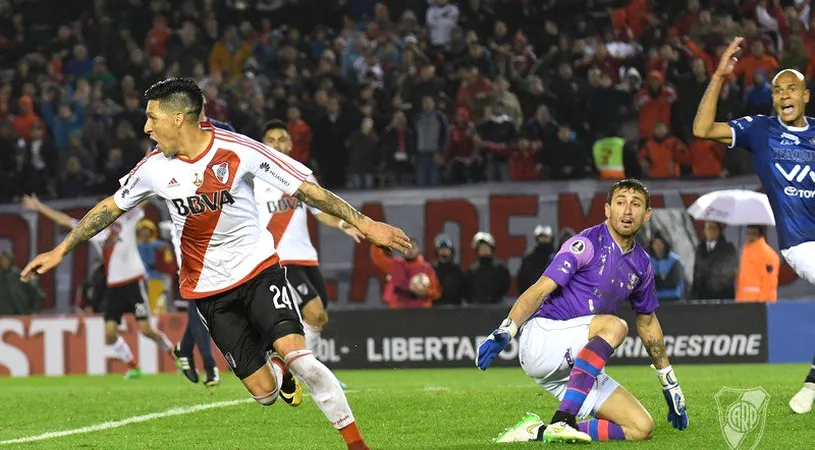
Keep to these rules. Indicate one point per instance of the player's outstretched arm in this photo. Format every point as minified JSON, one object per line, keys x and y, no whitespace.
{"x":340,"y":224}
{"x":650,"y":332}
{"x":378,"y":233}
{"x":31,"y":202}
{"x":96,"y":220}
{"x":704,"y":125}
{"x":524,"y":307}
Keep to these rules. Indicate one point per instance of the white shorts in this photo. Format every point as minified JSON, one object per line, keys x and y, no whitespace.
{"x":800,"y":259}
{"x":547,"y":351}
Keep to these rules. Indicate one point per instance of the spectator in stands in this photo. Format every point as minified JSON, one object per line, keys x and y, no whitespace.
{"x":399,"y":151}
{"x":499,"y":129}
{"x":669,"y":274}
{"x":229,"y":54}
{"x":609,"y":154}
{"x":567,"y":158}
{"x":365,"y":157}
{"x":431,"y":134}
{"x":300,"y":136}
{"x":715,"y":265}
{"x":81,"y":65}
{"x":441,"y":18}
{"x":536,"y":261}
{"x":114,"y":170}
{"x":450,"y":275}
{"x":17,"y":297}
{"x":473,"y":93}
{"x":155,"y":43}
{"x":654,"y":103}
{"x":759,"y":97}
{"x":663,"y":155}
{"x":757,"y":59}
{"x":42,"y":156}
{"x":75,"y":180}
{"x":460,"y":155}
{"x":488,"y":278}
{"x":26,"y":118}
{"x":707,"y":158}
{"x":759,"y":268}
{"x":70,"y":120}
{"x":511,"y":105}
{"x":690,"y":91}
{"x":410,"y":280}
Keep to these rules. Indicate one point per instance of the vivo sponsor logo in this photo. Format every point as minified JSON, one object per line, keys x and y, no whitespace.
{"x":797,"y":173}
{"x":430,"y":348}
{"x":694,"y":345}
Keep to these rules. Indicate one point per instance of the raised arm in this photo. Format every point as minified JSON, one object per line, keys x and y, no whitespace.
{"x":704,"y":125}
{"x":31,"y":202}
{"x":96,"y":220}
{"x":326,"y":201}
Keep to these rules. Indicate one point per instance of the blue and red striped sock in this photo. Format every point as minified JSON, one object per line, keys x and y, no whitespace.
{"x":602,"y":430}
{"x":590,"y":361}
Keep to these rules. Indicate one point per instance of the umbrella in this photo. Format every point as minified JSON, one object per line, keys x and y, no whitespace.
{"x":733,"y":207}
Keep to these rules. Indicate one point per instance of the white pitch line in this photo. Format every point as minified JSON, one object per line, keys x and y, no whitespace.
{"x":135,"y":419}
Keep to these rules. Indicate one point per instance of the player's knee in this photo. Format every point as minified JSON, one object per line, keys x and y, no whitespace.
{"x":611,"y":328}
{"x":321,"y":318}
{"x":642,"y":429}
{"x":266,"y":399}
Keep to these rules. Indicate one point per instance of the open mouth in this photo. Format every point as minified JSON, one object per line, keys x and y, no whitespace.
{"x":787,"y":109}
{"x":627,"y":222}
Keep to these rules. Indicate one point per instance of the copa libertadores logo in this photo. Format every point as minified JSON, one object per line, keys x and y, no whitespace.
{"x":742,"y":416}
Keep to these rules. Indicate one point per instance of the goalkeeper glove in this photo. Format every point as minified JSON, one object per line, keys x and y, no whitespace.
{"x":495,"y":343}
{"x":677,"y":412}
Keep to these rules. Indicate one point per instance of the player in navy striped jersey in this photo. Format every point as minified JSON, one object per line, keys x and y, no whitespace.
{"x":783,"y":148}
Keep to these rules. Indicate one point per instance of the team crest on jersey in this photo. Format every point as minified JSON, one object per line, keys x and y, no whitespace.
{"x":577,"y":247}
{"x":632,"y":280}
{"x":302,"y":289}
{"x":197,"y":178}
{"x":221,"y":172}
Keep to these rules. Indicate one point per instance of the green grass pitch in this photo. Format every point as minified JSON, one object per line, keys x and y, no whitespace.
{"x":460,"y":409}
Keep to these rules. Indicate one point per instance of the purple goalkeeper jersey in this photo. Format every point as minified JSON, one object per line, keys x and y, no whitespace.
{"x":594,"y":276}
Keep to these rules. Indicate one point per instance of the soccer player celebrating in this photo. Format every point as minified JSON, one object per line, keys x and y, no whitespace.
{"x":228,"y":262}
{"x":568,"y":330}
{"x":125,"y":275}
{"x":285,"y":217}
{"x":783,"y":149}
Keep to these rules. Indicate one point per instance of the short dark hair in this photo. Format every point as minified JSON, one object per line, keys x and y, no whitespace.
{"x":762,"y":229}
{"x":177,"y":95}
{"x":275,"y":124}
{"x":630,"y":184}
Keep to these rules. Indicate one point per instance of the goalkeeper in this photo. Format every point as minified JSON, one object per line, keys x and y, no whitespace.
{"x":567,"y":331}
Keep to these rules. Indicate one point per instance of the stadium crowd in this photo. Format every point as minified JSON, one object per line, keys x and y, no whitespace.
{"x":403,"y":92}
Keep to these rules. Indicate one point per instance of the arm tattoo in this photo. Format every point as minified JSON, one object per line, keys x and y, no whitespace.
{"x":327,"y":202}
{"x":97,"y":219}
{"x":656,"y":348}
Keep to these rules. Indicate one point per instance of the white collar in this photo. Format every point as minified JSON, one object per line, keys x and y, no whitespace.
{"x":803,"y":128}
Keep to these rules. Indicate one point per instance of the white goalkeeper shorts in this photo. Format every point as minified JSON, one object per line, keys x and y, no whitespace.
{"x":547,"y":350}
{"x":800,"y":259}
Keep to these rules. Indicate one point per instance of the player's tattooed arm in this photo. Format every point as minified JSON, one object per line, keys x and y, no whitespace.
{"x":650,"y":332}
{"x":96,"y":220}
{"x":327,"y":202}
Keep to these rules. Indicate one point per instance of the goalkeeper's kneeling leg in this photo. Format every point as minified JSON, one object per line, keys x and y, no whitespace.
{"x":621,"y":416}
